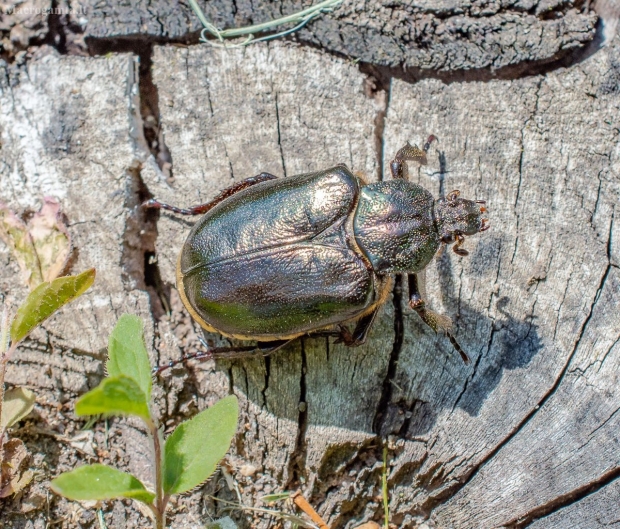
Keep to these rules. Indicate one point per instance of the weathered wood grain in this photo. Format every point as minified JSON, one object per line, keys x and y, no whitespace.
{"x":431,"y":35}
{"x":540,"y":150}
{"x":597,"y":510}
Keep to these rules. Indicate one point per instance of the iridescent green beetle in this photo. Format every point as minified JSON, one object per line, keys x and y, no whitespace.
{"x":274,"y":259}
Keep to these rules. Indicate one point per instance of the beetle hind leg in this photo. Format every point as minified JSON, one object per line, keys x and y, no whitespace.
{"x":209,"y":353}
{"x":435,"y":321}
{"x":203,"y":208}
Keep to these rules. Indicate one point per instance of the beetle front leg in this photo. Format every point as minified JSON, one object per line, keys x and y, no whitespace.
{"x":203,"y":208}
{"x":398,"y":166}
{"x":434,"y":320}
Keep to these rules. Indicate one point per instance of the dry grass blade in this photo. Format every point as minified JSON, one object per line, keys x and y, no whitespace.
{"x":285,"y":516}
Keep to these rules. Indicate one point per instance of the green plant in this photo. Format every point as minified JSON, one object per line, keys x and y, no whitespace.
{"x":384,"y":489}
{"x":301,"y":18}
{"x":187,"y":457}
{"x":15,"y":404}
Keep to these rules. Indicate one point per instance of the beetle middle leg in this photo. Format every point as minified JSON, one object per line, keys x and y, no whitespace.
{"x":345,"y":336}
{"x":360,"y":333}
{"x":203,"y":208}
{"x":435,"y":321}
{"x":398,"y":166}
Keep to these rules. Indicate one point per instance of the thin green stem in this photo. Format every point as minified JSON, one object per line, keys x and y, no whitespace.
{"x":161,"y":500}
{"x":101,"y":520}
{"x":295,"y":17}
{"x":4,"y":331}
{"x":5,"y":354}
{"x":301,"y":18}
{"x":201,"y":16}
{"x":250,"y":38}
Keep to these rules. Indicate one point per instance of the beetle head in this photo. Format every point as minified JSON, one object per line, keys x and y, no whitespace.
{"x":458,"y":217}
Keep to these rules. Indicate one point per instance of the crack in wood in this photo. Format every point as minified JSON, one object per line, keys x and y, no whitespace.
{"x":379,"y":422}
{"x":280,"y":136}
{"x":518,"y":194}
{"x":476,"y":365}
{"x":297,"y":471}
{"x":565,"y":500}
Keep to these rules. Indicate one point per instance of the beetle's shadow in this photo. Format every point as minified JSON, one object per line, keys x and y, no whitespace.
{"x":436,"y":381}
{"x":496,"y":345}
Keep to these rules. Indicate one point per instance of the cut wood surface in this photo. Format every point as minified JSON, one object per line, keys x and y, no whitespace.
{"x":526,"y":435}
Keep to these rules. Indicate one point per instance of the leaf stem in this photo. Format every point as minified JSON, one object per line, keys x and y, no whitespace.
{"x":160,"y":499}
{"x":5,"y":353}
{"x":4,"y":331}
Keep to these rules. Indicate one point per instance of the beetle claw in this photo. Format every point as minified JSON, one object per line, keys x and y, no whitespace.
{"x":460,"y":239}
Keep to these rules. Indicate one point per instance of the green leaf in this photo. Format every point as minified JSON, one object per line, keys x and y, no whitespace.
{"x":100,"y":482}
{"x":46,"y":299}
{"x":17,"y":404}
{"x":127,"y":353}
{"x":194,"y":449}
{"x":114,"y":396}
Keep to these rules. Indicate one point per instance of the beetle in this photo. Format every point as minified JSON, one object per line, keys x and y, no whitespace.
{"x":273,"y":259}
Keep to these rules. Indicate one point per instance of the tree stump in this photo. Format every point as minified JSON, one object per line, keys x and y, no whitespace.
{"x":526,"y":435}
